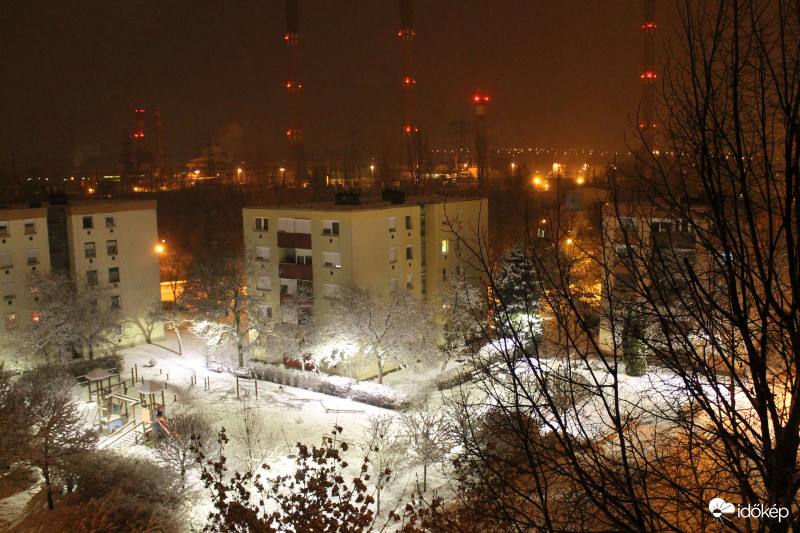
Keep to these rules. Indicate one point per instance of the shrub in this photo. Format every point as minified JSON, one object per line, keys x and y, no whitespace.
{"x":452,"y":377}
{"x":81,"y":367}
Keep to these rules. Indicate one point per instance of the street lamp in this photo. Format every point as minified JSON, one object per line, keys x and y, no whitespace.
{"x":239,"y":174}
{"x":513,"y":169}
{"x":372,"y":172}
{"x":283,"y":174}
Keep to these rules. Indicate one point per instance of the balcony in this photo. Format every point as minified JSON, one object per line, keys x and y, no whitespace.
{"x":677,"y":240}
{"x":294,"y":240}
{"x":295,"y":271}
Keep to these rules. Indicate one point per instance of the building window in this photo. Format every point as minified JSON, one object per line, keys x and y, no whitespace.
{"x":303,"y":256}
{"x":9,"y":290}
{"x":458,"y":270}
{"x":444,"y":274}
{"x":11,"y":320}
{"x":330,"y":227}
{"x":115,"y":302}
{"x":409,"y":282}
{"x":262,"y":253}
{"x":93,"y":304}
{"x":660,"y":227}
{"x":261,"y":223}
{"x":110,"y":221}
{"x":625,"y":251}
{"x":288,"y":286}
{"x":33,"y":256}
{"x":331,"y":291}
{"x":119,"y":331}
{"x":393,"y":284}
{"x":5,"y":260}
{"x":332,"y":259}
{"x":113,"y":275}
{"x":445,"y":246}
{"x":30,"y":227}
{"x":683,"y":226}
{"x":111,"y":247}
{"x":626,"y":223}
{"x":88,"y":223}
{"x":264,"y":283}
{"x":392,"y":255}
{"x":392,"y":226}
{"x":91,"y":277}
{"x":409,"y":253}
{"x":268,"y":311}
{"x":3,"y":228}
{"x":36,"y":316}
{"x":408,"y":221}
{"x":302,"y":225}
{"x":88,"y":249}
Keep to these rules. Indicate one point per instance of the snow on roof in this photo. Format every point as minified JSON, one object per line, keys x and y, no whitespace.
{"x":151,"y":387}
{"x":97,"y":374}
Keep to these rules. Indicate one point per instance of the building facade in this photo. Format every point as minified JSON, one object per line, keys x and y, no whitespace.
{"x":109,"y":245}
{"x":378,"y":246}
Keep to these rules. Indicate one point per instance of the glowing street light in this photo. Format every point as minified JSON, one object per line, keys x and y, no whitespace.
{"x":372,"y":172}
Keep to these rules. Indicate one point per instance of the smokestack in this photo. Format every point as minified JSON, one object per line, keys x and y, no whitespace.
{"x":159,"y":138}
{"x":481,"y":146}
{"x":411,"y":134}
{"x":294,"y":134}
{"x":647,"y":123}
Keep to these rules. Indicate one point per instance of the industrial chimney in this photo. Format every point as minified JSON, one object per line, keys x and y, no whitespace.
{"x":294,"y":134}
{"x":411,"y":135}
{"x":479,"y":102}
{"x":647,"y":123}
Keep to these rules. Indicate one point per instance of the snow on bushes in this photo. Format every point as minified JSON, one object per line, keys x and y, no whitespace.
{"x":340,"y":386}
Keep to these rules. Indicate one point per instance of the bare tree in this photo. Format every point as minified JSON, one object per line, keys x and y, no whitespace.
{"x":382,"y":444}
{"x":700,"y":238}
{"x":250,"y":432}
{"x":428,"y":435}
{"x":54,"y":428}
{"x":178,"y":439}
{"x":462,"y":306}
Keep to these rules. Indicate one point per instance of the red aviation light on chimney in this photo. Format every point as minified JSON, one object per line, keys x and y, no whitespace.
{"x":649,"y":25}
{"x":286,"y":37}
{"x":649,"y":75}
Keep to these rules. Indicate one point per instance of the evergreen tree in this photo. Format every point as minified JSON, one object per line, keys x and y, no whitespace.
{"x":517,"y":287}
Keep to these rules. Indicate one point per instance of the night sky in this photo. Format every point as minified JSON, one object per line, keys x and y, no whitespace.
{"x":561,"y":73}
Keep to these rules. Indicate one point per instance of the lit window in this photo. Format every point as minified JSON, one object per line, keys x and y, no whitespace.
{"x":330,"y":227}
{"x":262,"y":253}
{"x":111,"y":247}
{"x":88,"y":249}
{"x":113,"y":275}
{"x":36,"y":316}
{"x":88,"y":223}
{"x":409,"y":252}
{"x":445,"y":246}
{"x":11,"y":320}
{"x":264,"y":283}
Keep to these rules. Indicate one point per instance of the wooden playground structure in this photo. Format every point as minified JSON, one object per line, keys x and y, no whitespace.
{"x":132,"y":413}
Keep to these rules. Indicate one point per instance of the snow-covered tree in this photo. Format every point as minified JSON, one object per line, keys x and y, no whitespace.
{"x":53,"y":427}
{"x":387,"y":453}
{"x":251,"y":434}
{"x":178,"y":439}
{"x":224,"y":313}
{"x":462,"y":306}
{"x":396,"y":329}
{"x":428,"y":437}
{"x":76,"y":319}
{"x":517,"y":287}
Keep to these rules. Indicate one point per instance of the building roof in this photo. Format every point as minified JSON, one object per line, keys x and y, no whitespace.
{"x":367,"y":204}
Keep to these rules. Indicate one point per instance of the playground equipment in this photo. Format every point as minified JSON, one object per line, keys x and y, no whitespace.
{"x":114,"y":407}
{"x":153,"y":413}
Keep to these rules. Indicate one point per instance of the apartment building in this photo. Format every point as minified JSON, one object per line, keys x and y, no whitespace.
{"x":378,"y":246}
{"x":24,"y":248}
{"x":645,"y":244}
{"x":109,"y":244}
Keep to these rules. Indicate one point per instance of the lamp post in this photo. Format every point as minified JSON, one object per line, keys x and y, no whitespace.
{"x":372,"y":172}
